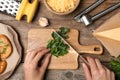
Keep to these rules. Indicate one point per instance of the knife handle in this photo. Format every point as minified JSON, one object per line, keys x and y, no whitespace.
{"x":28,"y":9}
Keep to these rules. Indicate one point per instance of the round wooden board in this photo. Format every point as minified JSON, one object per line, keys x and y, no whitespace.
{"x":19,"y":49}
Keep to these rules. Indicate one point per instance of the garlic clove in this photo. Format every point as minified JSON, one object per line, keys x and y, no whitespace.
{"x":43,"y":22}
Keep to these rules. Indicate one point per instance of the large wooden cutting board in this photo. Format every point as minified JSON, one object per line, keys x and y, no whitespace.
{"x":109,"y":35}
{"x":40,"y":37}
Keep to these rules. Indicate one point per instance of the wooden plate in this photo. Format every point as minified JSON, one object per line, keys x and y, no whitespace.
{"x":62,"y":13}
{"x":19,"y":50}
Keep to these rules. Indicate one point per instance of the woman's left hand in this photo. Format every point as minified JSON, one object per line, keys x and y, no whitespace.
{"x":31,"y":69}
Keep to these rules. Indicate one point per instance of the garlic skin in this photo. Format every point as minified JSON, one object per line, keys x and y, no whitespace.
{"x":43,"y":22}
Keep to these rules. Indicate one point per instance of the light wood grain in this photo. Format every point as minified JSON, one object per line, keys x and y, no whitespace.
{"x":86,"y":37}
{"x":109,"y":34}
{"x":89,"y":49}
{"x":40,"y":37}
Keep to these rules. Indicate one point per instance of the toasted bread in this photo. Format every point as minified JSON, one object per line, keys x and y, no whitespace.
{"x":3,"y":65}
{"x":5,"y":47}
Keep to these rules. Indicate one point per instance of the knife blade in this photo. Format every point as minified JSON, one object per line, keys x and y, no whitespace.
{"x":19,"y":8}
{"x":81,"y":57}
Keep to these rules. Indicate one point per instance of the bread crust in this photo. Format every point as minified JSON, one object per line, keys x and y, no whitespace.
{"x":5,"y":47}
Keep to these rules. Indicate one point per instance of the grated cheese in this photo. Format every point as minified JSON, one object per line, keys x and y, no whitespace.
{"x":61,"y":5}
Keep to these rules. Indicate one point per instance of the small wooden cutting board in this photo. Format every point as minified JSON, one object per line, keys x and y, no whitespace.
{"x":39,"y":37}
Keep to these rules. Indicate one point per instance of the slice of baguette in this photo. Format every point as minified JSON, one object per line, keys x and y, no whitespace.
{"x":3,"y":65}
{"x":5,"y":47}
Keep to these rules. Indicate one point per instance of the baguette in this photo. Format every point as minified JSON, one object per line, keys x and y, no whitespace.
{"x":3,"y":65}
{"x":5,"y":47}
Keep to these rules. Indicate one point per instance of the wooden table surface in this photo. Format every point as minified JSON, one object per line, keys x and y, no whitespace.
{"x":86,"y":37}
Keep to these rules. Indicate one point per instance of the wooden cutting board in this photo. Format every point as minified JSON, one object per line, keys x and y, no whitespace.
{"x":40,"y":37}
{"x":109,"y":34}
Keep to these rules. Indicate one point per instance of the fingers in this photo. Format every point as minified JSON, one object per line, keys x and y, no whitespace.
{"x":108,"y":74}
{"x":99,"y":65}
{"x":112,"y":76}
{"x":39,"y":56}
{"x":31,"y":54}
{"x":98,"y":71}
{"x":37,"y":49}
{"x":87,"y":72}
{"x":45,"y":64}
{"x":92,"y":63}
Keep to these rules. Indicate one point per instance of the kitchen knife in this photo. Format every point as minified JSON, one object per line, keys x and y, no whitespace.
{"x":19,"y":8}
{"x":81,"y":57}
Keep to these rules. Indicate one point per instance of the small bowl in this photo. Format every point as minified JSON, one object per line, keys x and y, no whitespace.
{"x":62,"y":13}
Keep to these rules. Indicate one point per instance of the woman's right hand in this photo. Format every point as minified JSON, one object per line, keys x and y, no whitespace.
{"x":97,"y":71}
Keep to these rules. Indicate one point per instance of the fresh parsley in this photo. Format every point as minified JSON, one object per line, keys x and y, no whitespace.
{"x":63,"y":32}
{"x":56,"y":45}
{"x":115,"y":65}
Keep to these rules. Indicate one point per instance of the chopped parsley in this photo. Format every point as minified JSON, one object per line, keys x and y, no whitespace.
{"x":63,"y":32}
{"x":6,"y":45}
{"x":4,"y":50}
{"x":57,"y":46}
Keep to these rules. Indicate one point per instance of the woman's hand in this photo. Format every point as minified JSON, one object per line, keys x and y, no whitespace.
{"x":31,"y":69}
{"x":97,"y":71}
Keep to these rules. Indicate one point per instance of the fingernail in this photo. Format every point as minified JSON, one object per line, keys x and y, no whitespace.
{"x":49,"y":49}
{"x":50,"y":54}
{"x":88,"y":58}
{"x":96,"y":59}
{"x":83,"y":64}
{"x":28,"y":51}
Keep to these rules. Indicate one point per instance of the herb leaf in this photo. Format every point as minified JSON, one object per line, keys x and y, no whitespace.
{"x":4,"y":50}
{"x":63,"y":32}
{"x":6,"y":45}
